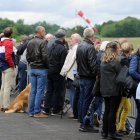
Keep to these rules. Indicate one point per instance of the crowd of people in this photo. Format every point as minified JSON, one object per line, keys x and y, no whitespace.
{"x":84,"y":68}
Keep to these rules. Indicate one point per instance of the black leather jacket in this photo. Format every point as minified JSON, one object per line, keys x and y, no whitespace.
{"x":37,"y":53}
{"x":86,"y":60}
{"x":56,"y":54}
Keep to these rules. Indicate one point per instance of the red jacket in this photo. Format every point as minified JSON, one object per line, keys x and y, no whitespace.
{"x":8,"y":45}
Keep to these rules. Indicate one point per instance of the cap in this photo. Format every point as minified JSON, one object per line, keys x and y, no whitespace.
{"x":60,"y":33}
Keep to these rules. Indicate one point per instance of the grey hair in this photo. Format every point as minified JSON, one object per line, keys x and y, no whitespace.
{"x":88,"y":32}
{"x":49,"y":36}
{"x":38,"y":28}
{"x":78,"y":37}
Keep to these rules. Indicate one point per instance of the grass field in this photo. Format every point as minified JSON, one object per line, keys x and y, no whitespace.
{"x":135,"y":41}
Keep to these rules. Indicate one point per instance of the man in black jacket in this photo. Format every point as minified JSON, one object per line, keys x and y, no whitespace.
{"x":56,"y":83}
{"x":86,"y":67}
{"x":38,"y":61}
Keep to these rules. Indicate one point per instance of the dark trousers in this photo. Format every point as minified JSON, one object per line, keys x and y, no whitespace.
{"x":75,"y":103}
{"x":55,"y":94}
{"x":137,"y":123}
{"x":109,"y":118}
{"x":22,"y":76}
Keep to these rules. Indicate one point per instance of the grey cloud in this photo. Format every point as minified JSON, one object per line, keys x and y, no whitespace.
{"x":96,"y":10}
{"x":32,"y":5}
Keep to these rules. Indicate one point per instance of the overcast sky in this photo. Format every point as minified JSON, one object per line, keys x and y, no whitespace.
{"x":63,"y":12}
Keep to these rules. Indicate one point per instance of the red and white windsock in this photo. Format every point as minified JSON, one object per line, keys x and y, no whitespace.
{"x":82,"y":15}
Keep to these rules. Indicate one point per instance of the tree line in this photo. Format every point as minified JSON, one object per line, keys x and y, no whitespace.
{"x":128,"y":27}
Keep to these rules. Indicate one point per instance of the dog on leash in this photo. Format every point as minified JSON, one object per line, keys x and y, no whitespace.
{"x":20,"y":103}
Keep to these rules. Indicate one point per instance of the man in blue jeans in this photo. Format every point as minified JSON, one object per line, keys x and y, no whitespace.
{"x":86,"y":68}
{"x":38,"y":61}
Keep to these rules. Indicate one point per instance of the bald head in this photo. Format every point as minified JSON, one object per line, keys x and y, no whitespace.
{"x":40,"y":31}
{"x":8,"y":32}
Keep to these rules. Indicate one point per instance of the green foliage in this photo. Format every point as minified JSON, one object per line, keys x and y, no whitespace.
{"x":78,"y":29}
{"x":128,"y":27}
{"x":5,"y":23}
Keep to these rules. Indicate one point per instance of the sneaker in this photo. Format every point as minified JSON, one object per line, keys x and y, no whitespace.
{"x":137,"y":136}
{"x":88,"y":128}
{"x":123,"y":132}
{"x":45,"y":112}
{"x":113,"y":137}
{"x":56,"y":113}
{"x":40,"y":115}
{"x":104,"y":135}
{"x":75,"y":119}
{"x":118,"y":134}
{"x":70,"y":116}
{"x":96,"y":120}
{"x":31,"y":115}
{"x":81,"y":127}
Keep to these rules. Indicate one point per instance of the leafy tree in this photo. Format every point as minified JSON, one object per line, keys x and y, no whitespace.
{"x":128,"y":27}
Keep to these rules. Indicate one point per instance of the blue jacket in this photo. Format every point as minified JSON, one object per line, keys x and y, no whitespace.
{"x":134,"y":67}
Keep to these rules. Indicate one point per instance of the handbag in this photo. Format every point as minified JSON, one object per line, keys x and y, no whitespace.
{"x":125,"y":79}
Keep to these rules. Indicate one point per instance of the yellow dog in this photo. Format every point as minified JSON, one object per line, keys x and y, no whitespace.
{"x":21,"y":101}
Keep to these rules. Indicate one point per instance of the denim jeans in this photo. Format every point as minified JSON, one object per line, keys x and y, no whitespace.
{"x":98,"y":105}
{"x":55,"y":94}
{"x":22,"y":76}
{"x":85,"y":98}
{"x":71,"y":91}
{"x":38,"y":81}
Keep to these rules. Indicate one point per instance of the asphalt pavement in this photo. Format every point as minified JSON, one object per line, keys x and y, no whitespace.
{"x":19,"y":126}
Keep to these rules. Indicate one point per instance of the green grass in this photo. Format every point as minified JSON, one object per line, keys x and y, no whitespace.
{"x":134,"y":40}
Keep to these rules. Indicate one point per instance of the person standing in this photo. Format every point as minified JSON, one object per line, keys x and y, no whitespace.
{"x":125,"y":104}
{"x":86,"y":68}
{"x":7,"y":66}
{"x":54,"y":98}
{"x":110,"y":90}
{"x":22,"y":65}
{"x":134,"y":71}
{"x":69,"y":68}
{"x":38,"y":61}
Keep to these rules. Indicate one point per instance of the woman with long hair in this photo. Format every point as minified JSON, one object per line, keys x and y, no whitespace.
{"x":109,"y":69}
